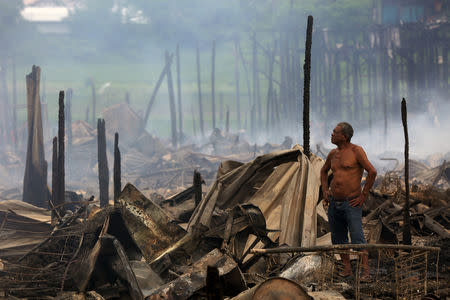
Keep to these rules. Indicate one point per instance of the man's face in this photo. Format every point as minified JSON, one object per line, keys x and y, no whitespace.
{"x":337,"y":136}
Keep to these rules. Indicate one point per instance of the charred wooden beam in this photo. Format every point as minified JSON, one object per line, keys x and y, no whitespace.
{"x":197,"y":187}
{"x":117,"y":169}
{"x":35,"y":183}
{"x":306,"y":89}
{"x":103,"y":172}
{"x":406,"y":219}
{"x":61,"y":158}
{"x":54,"y":199}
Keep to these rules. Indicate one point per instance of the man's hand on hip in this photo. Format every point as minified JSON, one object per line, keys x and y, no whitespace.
{"x":358,"y":201}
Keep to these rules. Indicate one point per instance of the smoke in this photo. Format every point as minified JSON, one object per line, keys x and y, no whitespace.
{"x":428,"y":131}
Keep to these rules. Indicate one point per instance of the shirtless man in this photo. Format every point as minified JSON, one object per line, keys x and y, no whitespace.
{"x":348,"y":162}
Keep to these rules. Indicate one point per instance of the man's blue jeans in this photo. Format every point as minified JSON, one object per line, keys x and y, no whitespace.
{"x":342,"y":219}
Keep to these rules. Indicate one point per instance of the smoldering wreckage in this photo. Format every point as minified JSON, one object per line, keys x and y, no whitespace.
{"x":258,"y":231}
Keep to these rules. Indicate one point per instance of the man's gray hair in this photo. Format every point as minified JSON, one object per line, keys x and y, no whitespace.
{"x":347,"y":130}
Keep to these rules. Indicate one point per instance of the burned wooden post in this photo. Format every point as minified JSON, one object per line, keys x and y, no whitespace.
{"x":87,"y":115}
{"x":236,"y":76}
{"x":173,"y":113}
{"x":34,"y":182}
{"x":155,"y":91}
{"x":213,"y":99}
{"x":61,"y":166}
{"x":180,"y":107}
{"x":197,"y":187}
{"x":103,"y":172}
{"x":406,"y":219}
{"x":199,"y":92}
{"x":306,"y":84}
{"x":54,"y":198}
{"x":69,"y":119}
{"x":214,"y":289}
{"x":117,"y":170}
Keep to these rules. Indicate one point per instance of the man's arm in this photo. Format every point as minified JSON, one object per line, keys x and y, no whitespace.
{"x":362,"y":159}
{"x":324,"y":175}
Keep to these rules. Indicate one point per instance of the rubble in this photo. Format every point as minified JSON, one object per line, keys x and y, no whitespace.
{"x":159,"y":242}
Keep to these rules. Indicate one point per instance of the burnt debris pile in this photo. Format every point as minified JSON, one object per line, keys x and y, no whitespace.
{"x":232,"y":241}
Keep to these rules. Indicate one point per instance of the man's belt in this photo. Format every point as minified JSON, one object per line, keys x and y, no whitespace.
{"x":343,"y":199}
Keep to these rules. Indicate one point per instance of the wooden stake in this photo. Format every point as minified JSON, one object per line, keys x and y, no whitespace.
{"x":55,"y":187}
{"x":61,"y":158}
{"x":103,"y":172}
{"x":117,"y":170}
{"x":199,"y":92}
{"x":173,"y":113}
{"x":34,"y":182}
{"x":406,"y":218}
{"x":197,"y":187}
{"x":306,"y":89}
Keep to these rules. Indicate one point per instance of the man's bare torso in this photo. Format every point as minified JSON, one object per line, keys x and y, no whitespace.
{"x":347,"y":172}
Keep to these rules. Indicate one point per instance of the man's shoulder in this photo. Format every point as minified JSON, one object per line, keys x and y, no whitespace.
{"x":358,"y":150}
{"x":355,"y":147}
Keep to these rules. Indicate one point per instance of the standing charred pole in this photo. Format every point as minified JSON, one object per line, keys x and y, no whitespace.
{"x":35,"y":182}
{"x":306,"y":84}
{"x":213,"y":99}
{"x":103,"y":172}
{"x":406,"y":219}
{"x":117,"y":170}
{"x":200,"y":107}
{"x":173,"y":113}
{"x":180,"y":108}
{"x":236,"y":76}
{"x":54,"y":199}
{"x":61,"y":167}
{"x":197,"y":187}
{"x":69,"y":119}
